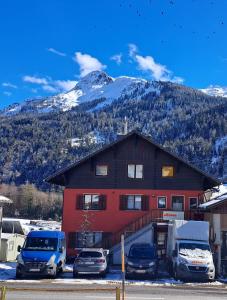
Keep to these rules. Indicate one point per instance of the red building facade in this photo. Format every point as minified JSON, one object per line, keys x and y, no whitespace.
{"x":122,"y":188}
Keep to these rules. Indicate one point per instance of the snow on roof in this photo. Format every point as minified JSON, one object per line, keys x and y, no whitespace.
{"x":214,"y":201}
{"x":4,"y":199}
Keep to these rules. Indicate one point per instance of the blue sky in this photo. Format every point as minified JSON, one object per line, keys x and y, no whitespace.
{"x":47,"y":45}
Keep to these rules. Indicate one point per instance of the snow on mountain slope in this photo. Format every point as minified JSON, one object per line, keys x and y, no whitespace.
{"x":94,"y":86}
{"x":216,"y":91}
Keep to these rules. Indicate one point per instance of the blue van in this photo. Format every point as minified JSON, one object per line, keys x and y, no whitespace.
{"x":43,"y":253}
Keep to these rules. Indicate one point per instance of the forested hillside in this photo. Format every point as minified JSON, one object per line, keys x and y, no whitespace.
{"x":187,"y":121}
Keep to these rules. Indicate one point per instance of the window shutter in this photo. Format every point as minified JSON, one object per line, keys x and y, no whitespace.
{"x":72,"y":240}
{"x":102,"y":202}
{"x":123,"y":202}
{"x":145,"y":202}
{"x":80,"y":202}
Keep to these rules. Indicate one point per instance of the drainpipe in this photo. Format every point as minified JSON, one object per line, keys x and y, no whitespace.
{"x":217,"y":242}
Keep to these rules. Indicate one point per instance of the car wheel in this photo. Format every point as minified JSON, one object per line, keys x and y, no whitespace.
{"x":18,"y":275}
{"x":103,"y":274}
{"x":175,"y":274}
{"x":75,"y":274}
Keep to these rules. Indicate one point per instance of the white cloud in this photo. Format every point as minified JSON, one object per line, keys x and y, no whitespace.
{"x":10,"y":85}
{"x":156,"y":70}
{"x":49,"y":85}
{"x":65,"y":85}
{"x":34,"y":79}
{"x":117,"y":58}
{"x":87,"y":63}
{"x":132,"y":49}
{"x":7,"y":93}
{"x":56,"y":52}
{"x":49,"y":88}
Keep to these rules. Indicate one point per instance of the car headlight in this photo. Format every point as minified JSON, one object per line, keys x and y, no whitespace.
{"x":51,"y":260}
{"x":151,"y":264}
{"x":20,"y":259}
{"x":182,"y":260}
{"x":130,"y":263}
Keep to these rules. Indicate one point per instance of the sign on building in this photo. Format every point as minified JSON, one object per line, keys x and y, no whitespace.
{"x":173,"y":215}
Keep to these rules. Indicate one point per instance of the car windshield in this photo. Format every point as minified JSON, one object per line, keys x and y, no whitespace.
{"x":142,"y":252}
{"x":39,"y":243}
{"x":192,"y":246}
{"x":88,"y":254}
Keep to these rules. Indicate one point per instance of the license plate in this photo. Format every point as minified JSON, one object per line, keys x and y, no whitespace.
{"x":34,"y":270}
{"x":89,"y":263}
{"x":141,"y":271}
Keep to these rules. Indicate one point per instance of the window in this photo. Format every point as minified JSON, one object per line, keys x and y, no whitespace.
{"x":162,"y":202}
{"x":134,"y":202}
{"x":91,"y":201}
{"x":88,"y":239}
{"x":193,"y":202}
{"x":167,"y":171}
{"x":101,"y":170}
{"x":178,"y":203}
{"x":135,"y":171}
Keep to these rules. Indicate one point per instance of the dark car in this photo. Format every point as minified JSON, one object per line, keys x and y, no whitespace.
{"x":142,"y":260}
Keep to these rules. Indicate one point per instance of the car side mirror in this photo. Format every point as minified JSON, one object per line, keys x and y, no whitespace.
{"x":61,"y":250}
{"x":19,"y":248}
{"x":174,"y":253}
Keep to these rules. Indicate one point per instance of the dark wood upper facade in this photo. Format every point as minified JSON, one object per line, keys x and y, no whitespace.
{"x":133,"y":149}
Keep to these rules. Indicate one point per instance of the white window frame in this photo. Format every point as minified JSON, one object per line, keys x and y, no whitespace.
{"x":165,"y":202}
{"x":135,"y":171}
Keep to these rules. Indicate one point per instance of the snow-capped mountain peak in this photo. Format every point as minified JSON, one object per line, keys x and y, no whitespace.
{"x":216,"y":91}
{"x":96,"y":85}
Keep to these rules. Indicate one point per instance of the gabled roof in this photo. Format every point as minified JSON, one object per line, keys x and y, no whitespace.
{"x":58,"y":177}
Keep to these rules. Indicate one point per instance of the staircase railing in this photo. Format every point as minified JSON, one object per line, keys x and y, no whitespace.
{"x":134,"y":226}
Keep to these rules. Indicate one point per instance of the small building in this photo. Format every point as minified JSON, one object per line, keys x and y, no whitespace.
{"x":215,"y":211}
{"x":9,"y":244}
{"x":125,"y":186}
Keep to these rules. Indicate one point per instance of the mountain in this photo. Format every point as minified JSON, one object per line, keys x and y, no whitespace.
{"x":96,"y":85}
{"x":216,"y":91}
{"x":39,"y":136}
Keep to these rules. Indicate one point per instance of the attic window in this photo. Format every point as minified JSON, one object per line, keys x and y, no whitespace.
{"x":101,"y":170}
{"x":167,"y":171}
{"x":135,"y":171}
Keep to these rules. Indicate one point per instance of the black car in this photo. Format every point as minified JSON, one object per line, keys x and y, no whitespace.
{"x":142,"y":260}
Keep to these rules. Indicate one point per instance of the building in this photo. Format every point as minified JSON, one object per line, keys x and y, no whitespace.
{"x":9,"y":245}
{"x":124,"y":187}
{"x":215,"y":212}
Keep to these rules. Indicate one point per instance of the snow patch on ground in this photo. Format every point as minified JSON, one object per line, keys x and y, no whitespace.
{"x":8,"y":272}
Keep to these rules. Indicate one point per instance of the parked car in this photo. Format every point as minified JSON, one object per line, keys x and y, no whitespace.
{"x":142,"y":260}
{"x":90,"y":261}
{"x":43,"y":253}
{"x":188,"y":251}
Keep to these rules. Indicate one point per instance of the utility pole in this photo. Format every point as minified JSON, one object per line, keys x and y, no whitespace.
{"x":123,"y":265}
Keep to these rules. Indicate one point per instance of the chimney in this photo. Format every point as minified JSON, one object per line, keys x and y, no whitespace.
{"x":125,"y":131}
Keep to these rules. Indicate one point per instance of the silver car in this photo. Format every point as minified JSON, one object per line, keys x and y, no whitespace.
{"x":90,"y":261}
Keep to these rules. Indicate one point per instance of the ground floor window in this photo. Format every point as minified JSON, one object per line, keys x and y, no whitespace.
{"x":91,"y":202}
{"x":193,"y":202}
{"x":178,"y":203}
{"x":88,"y":239}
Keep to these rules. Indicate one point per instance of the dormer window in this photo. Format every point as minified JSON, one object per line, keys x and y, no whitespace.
{"x":101,"y":170}
{"x":135,"y":171}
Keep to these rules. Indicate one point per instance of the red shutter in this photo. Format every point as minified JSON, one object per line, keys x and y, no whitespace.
{"x":123,"y":202}
{"x":145,"y":202}
{"x":80,"y":202}
{"x":102,"y":202}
